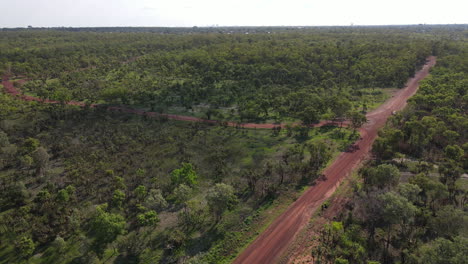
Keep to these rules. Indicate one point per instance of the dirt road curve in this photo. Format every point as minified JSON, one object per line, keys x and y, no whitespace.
{"x":270,"y":245}
{"x":11,"y":89}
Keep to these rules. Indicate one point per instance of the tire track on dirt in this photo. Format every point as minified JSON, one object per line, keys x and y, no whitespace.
{"x":11,"y":89}
{"x":271,"y":244}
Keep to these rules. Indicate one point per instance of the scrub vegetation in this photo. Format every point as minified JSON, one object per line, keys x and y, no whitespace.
{"x":86,"y":185}
{"x":411,"y":206}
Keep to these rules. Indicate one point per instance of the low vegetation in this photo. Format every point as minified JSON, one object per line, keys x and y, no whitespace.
{"x":411,"y":206}
{"x":101,"y":180}
{"x":86,"y":185}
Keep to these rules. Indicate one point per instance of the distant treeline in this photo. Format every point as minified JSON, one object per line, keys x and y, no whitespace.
{"x":245,"y":77}
{"x":421,"y":28}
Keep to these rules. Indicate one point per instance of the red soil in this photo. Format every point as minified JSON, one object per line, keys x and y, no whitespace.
{"x":11,"y":89}
{"x":271,"y":244}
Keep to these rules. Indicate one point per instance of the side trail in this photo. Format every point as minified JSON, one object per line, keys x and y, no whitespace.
{"x":271,"y":244}
{"x":11,"y":89}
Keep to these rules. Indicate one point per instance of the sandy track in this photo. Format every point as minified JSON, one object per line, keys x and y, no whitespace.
{"x":11,"y":89}
{"x":271,"y":244}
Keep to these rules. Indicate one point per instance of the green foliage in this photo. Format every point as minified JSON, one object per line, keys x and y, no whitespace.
{"x":443,"y":251}
{"x":59,"y":244}
{"x":25,"y":247}
{"x":176,"y":238}
{"x":182,"y":193}
{"x":149,"y":218}
{"x":454,"y":152}
{"x":449,"y":222}
{"x":396,"y":209}
{"x":41,"y":159}
{"x":221,"y":197}
{"x":43,"y":196}
{"x":140,"y":192}
{"x":4,"y":141}
{"x":156,"y":200}
{"x":193,"y":216}
{"x":338,"y":245}
{"x":118,"y":181}
{"x":340,"y":106}
{"x":118,"y":198}
{"x":26,"y":161}
{"x":70,"y":190}
{"x":85,"y":143}
{"x":409,"y":191}
{"x":320,"y":154}
{"x":109,"y":173}
{"x":30,"y":145}
{"x":341,"y":261}
{"x":16,"y":195}
{"x":357,"y":119}
{"x":184,"y":175}
{"x":245,"y":77}
{"x":381,"y":176}
{"x":117,"y":94}
{"x":298,"y":75}
{"x":434,"y":123}
{"x":63,"y":196}
{"x":105,"y":227}
{"x":420,"y":217}
{"x":432,"y":190}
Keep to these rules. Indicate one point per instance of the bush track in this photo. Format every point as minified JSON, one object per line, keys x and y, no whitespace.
{"x":11,"y":89}
{"x":269,"y":246}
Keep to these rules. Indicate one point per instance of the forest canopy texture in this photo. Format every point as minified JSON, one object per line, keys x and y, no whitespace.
{"x":411,"y":204}
{"x":87,"y":185}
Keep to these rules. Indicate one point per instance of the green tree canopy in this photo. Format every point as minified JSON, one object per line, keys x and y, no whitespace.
{"x":118,"y":198}
{"x":184,"y":175}
{"x":149,"y":218}
{"x":382,"y":176}
{"x":396,"y":209}
{"x":105,"y":227}
{"x":443,"y":251}
{"x":221,"y":197}
{"x":25,"y":247}
{"x":182,"y":193}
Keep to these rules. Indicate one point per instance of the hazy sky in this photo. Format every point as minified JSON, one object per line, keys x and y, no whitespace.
{"x":93,"y":13}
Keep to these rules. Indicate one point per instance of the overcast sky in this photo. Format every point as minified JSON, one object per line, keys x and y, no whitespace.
{"x":96,"y":13}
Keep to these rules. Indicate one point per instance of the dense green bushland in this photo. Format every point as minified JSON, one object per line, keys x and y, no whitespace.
{"x":82,"y":184}
{"x":412,"y":204}
{"x":253,"y":77}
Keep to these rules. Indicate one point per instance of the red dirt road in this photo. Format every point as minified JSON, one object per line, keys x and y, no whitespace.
{"x":11,"y":89}
{"x":271,"y":244}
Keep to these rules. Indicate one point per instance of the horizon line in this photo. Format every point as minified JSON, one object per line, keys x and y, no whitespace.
{"x":237,"y":26}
